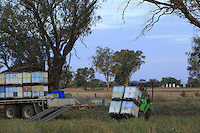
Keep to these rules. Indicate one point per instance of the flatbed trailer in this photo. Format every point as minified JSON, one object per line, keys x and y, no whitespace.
{"x":22,"y":107}
{"x":48,"y":107}
{"x":23,"y":94}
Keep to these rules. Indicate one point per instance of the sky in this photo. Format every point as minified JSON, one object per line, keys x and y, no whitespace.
{"x":164,"y":45}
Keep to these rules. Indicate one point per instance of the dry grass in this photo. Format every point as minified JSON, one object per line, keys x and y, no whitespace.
{"x":98,"y":121}
{"x":181,"y":115}
{"x":160,"y":94}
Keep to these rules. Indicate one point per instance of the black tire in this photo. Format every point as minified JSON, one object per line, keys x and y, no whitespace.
{"x":148,"y":114}
{"x":28,"y":111}
{"x":11,"y":111}
{"x":140,"y":114}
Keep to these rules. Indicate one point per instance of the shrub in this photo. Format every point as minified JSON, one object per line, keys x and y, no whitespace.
{"x":183,"y":94}
{"x":197,"y":94}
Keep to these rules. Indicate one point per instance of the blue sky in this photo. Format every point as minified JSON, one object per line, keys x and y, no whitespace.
{"x":164,"y":46}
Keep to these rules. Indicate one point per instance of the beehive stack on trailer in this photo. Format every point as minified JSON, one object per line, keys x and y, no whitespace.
{"x":125,"y":101}
{"x":23,"y":85}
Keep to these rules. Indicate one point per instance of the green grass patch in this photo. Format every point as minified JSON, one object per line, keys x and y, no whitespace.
{"x":169,"y":117}
{"x":158,"y":124}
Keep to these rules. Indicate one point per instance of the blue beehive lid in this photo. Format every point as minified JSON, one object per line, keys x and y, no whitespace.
{"x":118,"y":89}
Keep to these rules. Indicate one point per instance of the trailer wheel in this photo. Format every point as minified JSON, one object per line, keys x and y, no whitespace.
{"x":11,"y":111}
{"x":28,"y":111}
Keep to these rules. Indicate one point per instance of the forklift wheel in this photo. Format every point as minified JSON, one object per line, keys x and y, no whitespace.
{"x":148,"y":114}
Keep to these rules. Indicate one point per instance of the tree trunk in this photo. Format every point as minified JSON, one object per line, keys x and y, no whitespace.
{"x":55,"y":74}
{"x":107,"y":82}
{"x":126,"y":82}
{"x":108,"y":85}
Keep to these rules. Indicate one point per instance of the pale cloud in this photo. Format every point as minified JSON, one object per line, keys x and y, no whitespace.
{"x":183,"y":40}
{"x":176,"y":38}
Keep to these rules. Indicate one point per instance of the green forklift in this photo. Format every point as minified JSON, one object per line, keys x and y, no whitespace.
{"x":146,"y":105}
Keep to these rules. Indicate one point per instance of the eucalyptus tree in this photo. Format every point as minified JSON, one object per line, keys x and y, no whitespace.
{"x":170,"y":80}
{"x":194,"y":60}
{"x":40,"y":34}
{"x":66,"y":77}
{"x":84,"y":76}
{"x":103,"y":63}
{"x":126,"y":63}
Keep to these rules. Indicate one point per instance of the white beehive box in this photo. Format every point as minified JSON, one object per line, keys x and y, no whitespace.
{"x":115,"y":104}
{"x":114,"y":110}
{"x":19,"y":94}
{"x":117,"y":95}
{"x":115,"y":107}
{"x":27,"y":94}
{"x":2,"y":95}
{"x":125,"y":110}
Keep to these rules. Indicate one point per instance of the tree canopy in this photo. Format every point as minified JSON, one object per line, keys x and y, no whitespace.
{"x":83,"y":76}
{"x":66,"y":77}
{"x":42,"y":33}
{"x":103,"y":62}
{"x":194,"y":60}
{"x":170,"y":80}
{"x":126,"y":63}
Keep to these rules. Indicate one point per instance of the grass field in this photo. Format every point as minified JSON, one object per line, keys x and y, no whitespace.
{"x":163,"y":94}
{"x":180,"y":115}
{"x":168,"y":116}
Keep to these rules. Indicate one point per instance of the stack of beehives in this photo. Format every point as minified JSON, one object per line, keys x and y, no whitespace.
{"x":124,"y":100}
{"x":23,"y":85}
